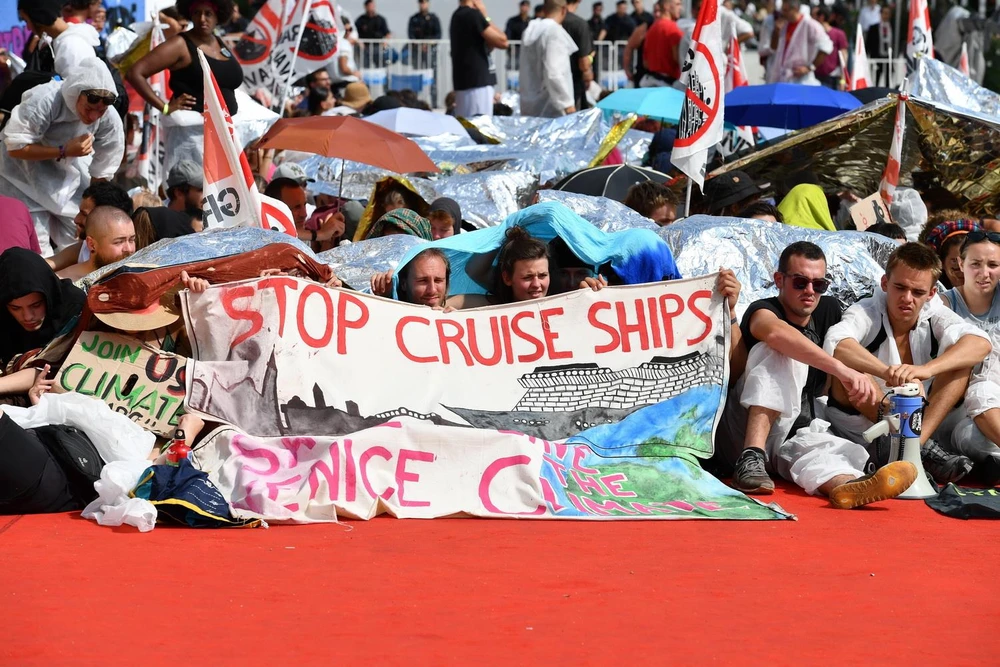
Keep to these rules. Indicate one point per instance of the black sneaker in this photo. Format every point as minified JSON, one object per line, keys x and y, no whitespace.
{"x":944,"y":466}
{"x":749,"y":475}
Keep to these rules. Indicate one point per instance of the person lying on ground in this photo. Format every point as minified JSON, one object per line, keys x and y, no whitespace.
{"x":99,"y":193}
{"x":35,"y":307}
{"x":903,"y":334}
{"x":110,"y":238}
{"x":781,"y":371}
{"x":977,"y":301}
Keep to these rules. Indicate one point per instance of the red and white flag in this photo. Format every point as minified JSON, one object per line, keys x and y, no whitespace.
{"x":149,"y":163}
{"x":741,"y":137}
{"x":920,"y":40}
{"x":861,"y":72}
{"x":286,"y":40}
{"x":231,"y":198}
{"x":890,"y":176}
{"x":963,"y":62}
{"x":700,"y":127}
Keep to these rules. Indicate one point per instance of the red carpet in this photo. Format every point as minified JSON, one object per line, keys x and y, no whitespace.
{"x":891,"y":584}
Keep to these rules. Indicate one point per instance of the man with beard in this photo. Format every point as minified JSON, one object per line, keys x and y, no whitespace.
{"x":782,"y":370}
{"x":110,"y":237}
{"x":99,"y":193}
{"x":184,"y":190}
{"x":423,"y":281}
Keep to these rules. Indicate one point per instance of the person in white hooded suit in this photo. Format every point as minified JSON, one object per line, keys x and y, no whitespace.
{"x":57,"y":139}
{"x":546,"y":82}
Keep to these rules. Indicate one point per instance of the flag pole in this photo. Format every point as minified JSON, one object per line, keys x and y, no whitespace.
{"x":687,"y":200}
{"x":295,"y":54}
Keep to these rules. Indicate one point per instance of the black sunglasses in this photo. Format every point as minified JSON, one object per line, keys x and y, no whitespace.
{"x":800,"y":282}
{"x":979,"y":235}
{"x":94,"y":98}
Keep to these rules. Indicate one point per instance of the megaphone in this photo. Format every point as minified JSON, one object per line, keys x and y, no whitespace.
{"x":902,"y":425}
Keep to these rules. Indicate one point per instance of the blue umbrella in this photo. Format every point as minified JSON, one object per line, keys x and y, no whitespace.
{"x":657,"y":103}
{"x":788,"y":105}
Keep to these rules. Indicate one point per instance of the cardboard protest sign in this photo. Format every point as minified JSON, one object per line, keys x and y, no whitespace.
{"x":141,"y":382}
{"x":870,"y":211}
{"x":583,"y":405}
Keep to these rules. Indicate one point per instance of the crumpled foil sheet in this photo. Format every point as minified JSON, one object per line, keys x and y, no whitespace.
{"x":210,"y":244}
{"x":187,"y":142}
{"x":488,"y":197}
{"x":634,"y":146}
{"x":935,"y":81}
{"x":701,"y":244}
{"x":951,"y":148}
{"x":356,"y":263}
{"x":359,"y":179}
{"x":606,"y":214}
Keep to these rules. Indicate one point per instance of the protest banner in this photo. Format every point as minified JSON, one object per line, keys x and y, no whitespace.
{"x":870,"y":211}
{"x":327,"y":382}
{"x":286,"y":40}
{"x":136,"y":380}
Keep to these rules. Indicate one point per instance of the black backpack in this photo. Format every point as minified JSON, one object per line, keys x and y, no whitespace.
{"x":76,"y":455}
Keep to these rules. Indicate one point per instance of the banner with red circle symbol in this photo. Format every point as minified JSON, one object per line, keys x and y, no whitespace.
{"x":700,"y":127}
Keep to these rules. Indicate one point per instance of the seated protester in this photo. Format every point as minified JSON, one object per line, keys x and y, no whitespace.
{"x":401,"y":221}
{"x":445,"y":218}
{"x":165,"y":223}
{"x":730,"y":192}
{"x":320,"y":101}
{"x":761,"y":210}
{"x":781,"y":371}
{"x":903,"y":334}
{"x":184,"y":191}
{"x":423,"y":281}
{"x":35,"y":307}
{"x":522,"y":268}
{"x":805,"y":205}
{"x":978,"y":303}
{"x":388,"y":195}
{"x":946,"y":240}
{"x":653,"y":200}
{"x":18,"y":231}
{"x":293,"y":194}
{"x":569,"y":272}
{"x":110,"y":238}
{"x":890,"y":230}
{"x":99,"y":193}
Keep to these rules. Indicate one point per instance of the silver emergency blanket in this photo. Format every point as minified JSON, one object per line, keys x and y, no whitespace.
{"x":935,"y":81}
{"x":210,"y":244}
{"x":356,"y":263}
{"x":634,"y":146}
{"x":488,"y":197}
{"x":606,"y":214}
{"x":359,"y":179}
{"x":702,"y":244}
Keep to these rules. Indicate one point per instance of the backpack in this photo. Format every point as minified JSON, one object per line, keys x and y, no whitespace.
{"x":76,"y":455}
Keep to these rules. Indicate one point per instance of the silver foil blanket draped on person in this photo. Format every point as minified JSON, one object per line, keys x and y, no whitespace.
{"x":605,"y":214}
{"x":702,"y":244}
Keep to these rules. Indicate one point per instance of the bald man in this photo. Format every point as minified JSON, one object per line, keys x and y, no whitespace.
{"x":110,"y":237}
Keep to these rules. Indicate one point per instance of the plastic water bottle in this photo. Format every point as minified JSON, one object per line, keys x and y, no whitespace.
{"x":178,"y":449}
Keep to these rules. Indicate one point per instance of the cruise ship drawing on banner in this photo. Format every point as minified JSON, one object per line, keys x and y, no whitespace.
{"x":559,"y":401}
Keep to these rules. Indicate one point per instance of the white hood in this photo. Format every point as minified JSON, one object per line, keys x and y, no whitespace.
{"x":83,"y":31}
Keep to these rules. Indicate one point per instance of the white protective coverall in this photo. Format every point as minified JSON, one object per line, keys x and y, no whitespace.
{"x":808,"y":41}
{"x":47,"y":116}
{"x":74,"y":45}
{"x":546,"y":82}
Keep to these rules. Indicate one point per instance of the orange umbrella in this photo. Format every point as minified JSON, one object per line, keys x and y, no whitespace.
{"x":350,"y":139}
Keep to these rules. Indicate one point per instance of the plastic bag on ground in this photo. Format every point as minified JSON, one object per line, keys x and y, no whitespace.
{"x":113,"y":506}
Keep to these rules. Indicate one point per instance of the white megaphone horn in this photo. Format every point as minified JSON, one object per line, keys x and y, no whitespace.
{"x":902,"y":425}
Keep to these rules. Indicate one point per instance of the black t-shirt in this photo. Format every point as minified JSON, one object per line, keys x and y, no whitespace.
{"x":827,"y":314}
{"x":645,"y":17}
{"x":620,"y":28}
{"x":371,"y":27}
{"x":596,"y":24}
{"x":515,"y":28}
{"x":580,"y":32}
{"x":472,"y":65}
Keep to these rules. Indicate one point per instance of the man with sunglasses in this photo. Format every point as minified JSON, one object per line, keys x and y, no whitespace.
{"x":903,"y":334}
{"x":781,"y":370}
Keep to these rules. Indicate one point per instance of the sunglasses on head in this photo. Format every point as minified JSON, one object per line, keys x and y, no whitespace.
{"x":981,"y":234}
{"x":95,"y":98}
{"x":800,"y":282}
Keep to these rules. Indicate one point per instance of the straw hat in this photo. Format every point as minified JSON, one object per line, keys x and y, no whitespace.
{"x":160,"y":314}
{"x":356,"y":96}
